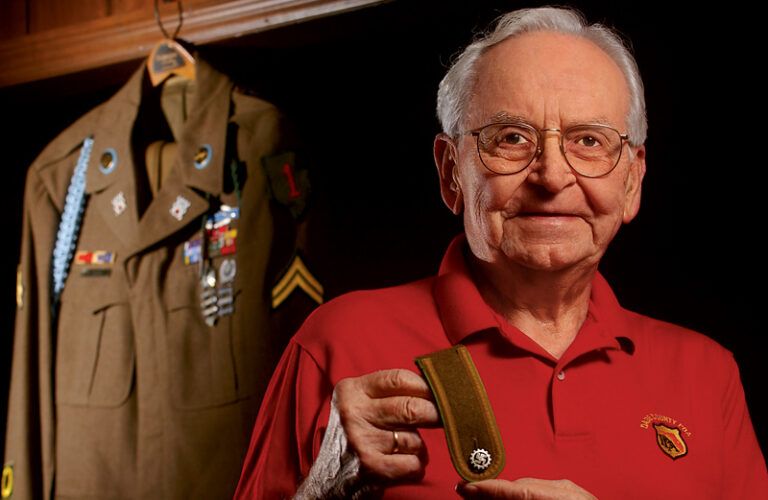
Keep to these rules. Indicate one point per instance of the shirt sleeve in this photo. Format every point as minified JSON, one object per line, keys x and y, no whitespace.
{"x":745,"y":472}
{"x":289,"y":428}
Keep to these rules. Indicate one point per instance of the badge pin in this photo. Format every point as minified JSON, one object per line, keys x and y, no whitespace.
{"x":480,"y":459}
{"x":119,"y":204}
{"x":227,"y":271}
{"x":193,"y":251}
{"x":225,"y":216}
{"x":108,"y":161}
{"x":203,"y":156}
{"x":180,"y":207}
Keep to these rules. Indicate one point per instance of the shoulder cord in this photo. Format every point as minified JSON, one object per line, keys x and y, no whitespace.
{"x":69,"y":224}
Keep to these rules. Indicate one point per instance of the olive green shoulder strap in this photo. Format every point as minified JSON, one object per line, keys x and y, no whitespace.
{"x":474,"y":440}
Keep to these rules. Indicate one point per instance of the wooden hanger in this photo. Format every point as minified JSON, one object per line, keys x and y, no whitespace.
{"x":169,"y":57}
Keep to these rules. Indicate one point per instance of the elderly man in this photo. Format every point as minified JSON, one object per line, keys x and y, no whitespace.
{"x":543,"y":157}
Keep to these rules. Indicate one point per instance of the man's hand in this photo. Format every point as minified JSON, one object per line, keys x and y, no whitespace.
{"x":524,"y":489}
{"x":372,"y":407}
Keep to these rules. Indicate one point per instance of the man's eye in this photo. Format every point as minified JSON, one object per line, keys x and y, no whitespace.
{"x":511,"y":138}
{"x":588,"y":141}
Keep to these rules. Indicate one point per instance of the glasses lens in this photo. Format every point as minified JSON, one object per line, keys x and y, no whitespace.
{"x":506,"y":148}
{"x":592,"y":150}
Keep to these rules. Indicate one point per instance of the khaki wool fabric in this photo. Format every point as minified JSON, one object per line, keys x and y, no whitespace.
{"x":466,"y":413}
{"x":131,"y":394}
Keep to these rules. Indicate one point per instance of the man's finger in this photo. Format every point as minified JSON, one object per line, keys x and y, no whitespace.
{"x":399,"y":442}
{"x":392,"y":467}
{"x":403,"y":411}
{"x":397,"y":382}
{"x":524,"y":489}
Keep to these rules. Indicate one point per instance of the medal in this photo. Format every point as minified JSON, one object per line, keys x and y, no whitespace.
{"x":226,"y":299}
{"x":208,"y":296}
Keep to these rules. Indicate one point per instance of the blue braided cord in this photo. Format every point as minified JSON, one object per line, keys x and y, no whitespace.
{"x":69,"y":225}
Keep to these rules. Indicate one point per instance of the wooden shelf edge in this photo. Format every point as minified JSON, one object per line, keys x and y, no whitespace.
{"x":118,"y":39}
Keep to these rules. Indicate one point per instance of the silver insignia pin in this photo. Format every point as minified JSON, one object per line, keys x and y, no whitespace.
{"x":180,"y":207}
{"x":119,"y":204}
{"x":480,"y":459}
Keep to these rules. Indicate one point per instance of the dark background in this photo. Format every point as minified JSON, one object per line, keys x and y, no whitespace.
{"x":361,"y":88}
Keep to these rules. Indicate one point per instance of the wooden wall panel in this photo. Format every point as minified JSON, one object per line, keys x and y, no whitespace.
{"x":118,"y":7}
{"x":109,"y":40}
{"x":49,"y":14}
{"x":13,"y":18}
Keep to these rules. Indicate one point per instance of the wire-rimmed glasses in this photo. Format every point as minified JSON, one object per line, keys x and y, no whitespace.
{"x":591,"y":150}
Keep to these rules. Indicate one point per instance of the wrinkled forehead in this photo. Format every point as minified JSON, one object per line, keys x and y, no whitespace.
{"x":550,"y":79}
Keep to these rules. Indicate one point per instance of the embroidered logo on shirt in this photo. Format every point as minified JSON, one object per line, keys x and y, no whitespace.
{"x":670,"y":441}
{"x":670,"y":434}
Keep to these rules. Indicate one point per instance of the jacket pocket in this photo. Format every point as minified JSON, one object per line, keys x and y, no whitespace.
{"x":95,"y":352}
{"x":200,"y":357}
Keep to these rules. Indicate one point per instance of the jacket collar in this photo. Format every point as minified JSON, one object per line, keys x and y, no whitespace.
{"x":108,"y":183}
{"x":206,"y":127}
{"x":463,"y":311}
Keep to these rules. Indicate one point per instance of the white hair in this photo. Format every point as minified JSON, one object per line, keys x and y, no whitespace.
{"x":456,"y":88}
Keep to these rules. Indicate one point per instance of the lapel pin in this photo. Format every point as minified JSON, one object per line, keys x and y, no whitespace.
{"x":180,"y":207}
{"x":203,"y":156}
{"x":118,"y":203}
{"x":108,"y":161}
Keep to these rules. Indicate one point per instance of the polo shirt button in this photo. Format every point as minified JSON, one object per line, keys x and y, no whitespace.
{"x":561,"y":375}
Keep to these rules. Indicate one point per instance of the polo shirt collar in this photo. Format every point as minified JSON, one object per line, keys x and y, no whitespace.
{"x":462,"y":309}
{"x":464,"y":312}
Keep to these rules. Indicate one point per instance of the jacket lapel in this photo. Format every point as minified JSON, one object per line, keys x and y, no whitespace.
{"x":197,"y":169}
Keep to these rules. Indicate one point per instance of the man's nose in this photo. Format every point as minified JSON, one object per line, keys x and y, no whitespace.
{"x":550,"y":169}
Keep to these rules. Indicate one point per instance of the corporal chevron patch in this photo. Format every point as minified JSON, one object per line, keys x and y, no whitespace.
{"x":297,"y":276}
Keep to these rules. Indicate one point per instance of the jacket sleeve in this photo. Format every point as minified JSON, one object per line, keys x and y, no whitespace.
{"x":745,"y":471}
{"x":29,"y":462}
{"x":289,"y":428}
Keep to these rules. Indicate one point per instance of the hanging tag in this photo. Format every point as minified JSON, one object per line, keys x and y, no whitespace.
{"x":169,"y":57}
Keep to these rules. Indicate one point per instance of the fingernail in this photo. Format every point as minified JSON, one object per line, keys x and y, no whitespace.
{"x":465,"y":489}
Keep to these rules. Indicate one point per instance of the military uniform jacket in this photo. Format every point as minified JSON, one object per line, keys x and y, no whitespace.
{"x":127,"y":392}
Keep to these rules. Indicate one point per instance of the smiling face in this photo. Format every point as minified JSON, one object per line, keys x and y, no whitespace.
{"x":546,"y":217}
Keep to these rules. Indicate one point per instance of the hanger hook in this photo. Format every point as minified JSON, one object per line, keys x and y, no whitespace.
{"x":160,"y":22}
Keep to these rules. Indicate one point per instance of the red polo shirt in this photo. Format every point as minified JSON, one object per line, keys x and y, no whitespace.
{"x":635,"y":408}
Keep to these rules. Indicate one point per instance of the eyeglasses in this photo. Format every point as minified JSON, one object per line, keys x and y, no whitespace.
{"x":591,"y":150}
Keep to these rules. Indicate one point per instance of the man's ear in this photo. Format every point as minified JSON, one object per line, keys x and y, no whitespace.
{"x":633,"y":186}
{"x":445,"y":161}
